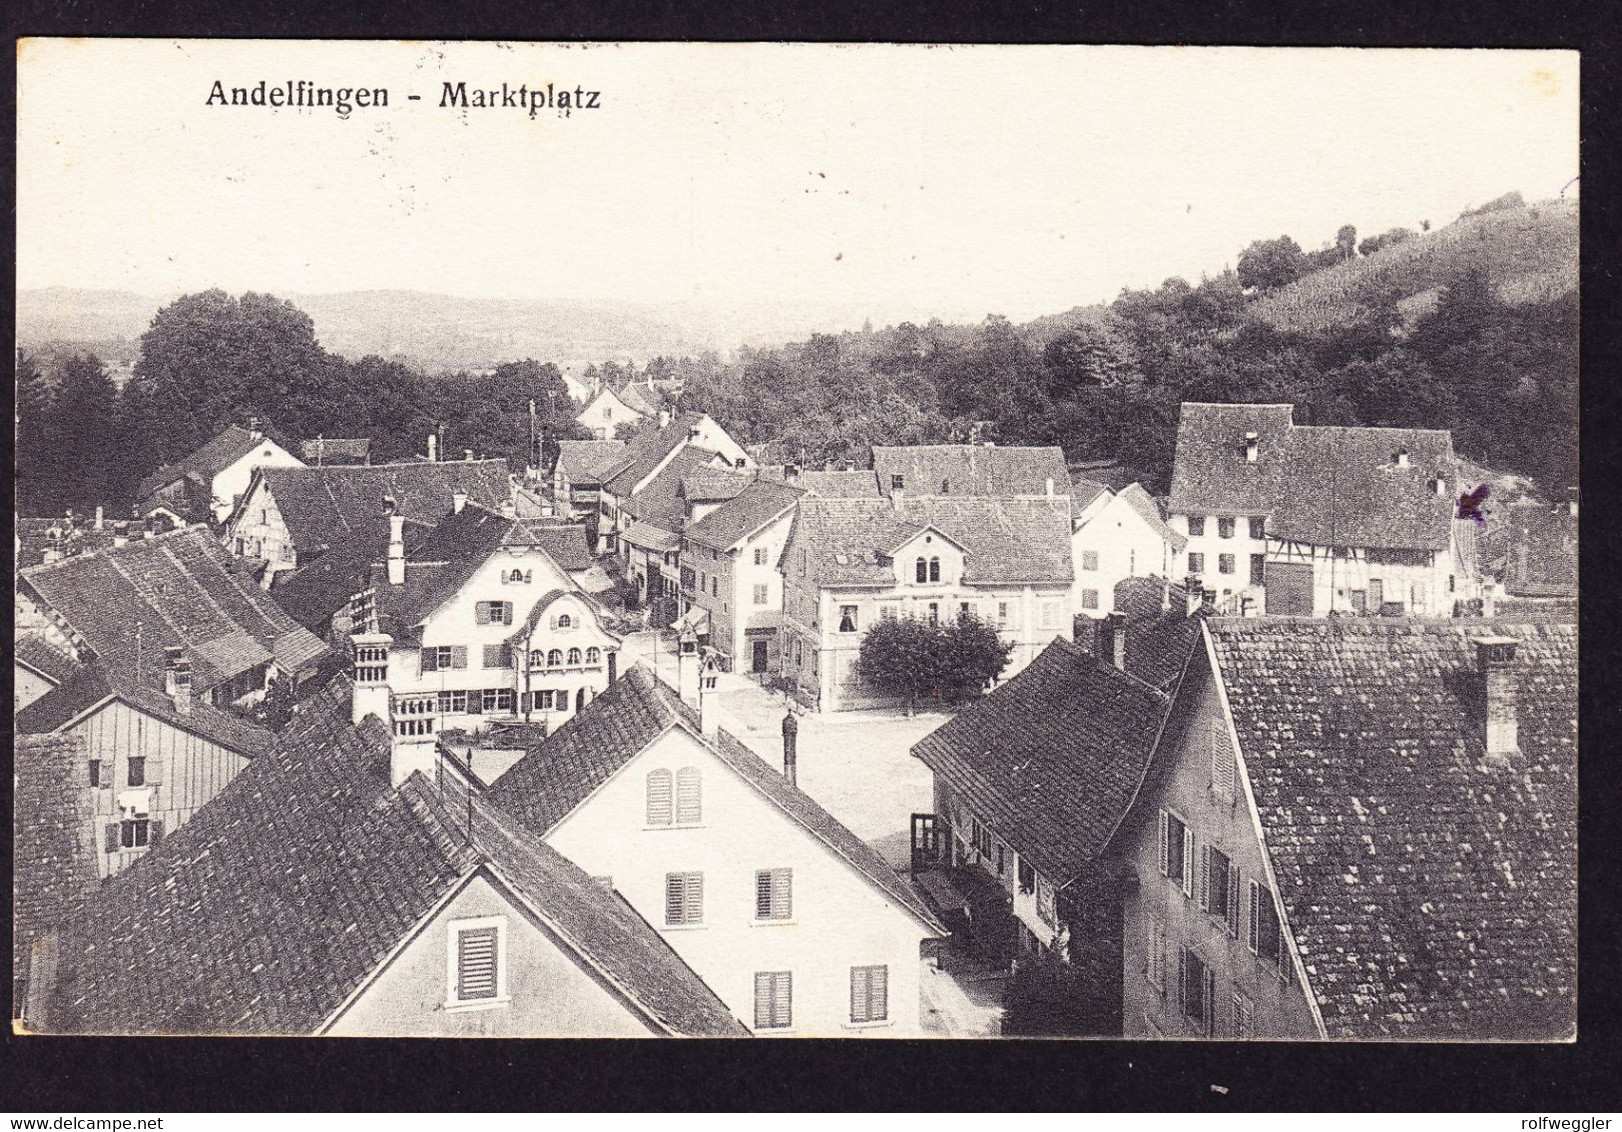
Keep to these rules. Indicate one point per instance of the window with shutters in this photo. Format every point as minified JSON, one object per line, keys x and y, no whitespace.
{"x":934,"y":569}
{"x":1225,"y":528}
{"x":493,"y":612}
{"x":1223,"y":768}
{"x":1242,"y":1015}
{"x":1219,"y":888}
{"x":774,"y":894}
{"x":132,"y":833}
{"x":1195,"y":985}
{"x":1258,"y":527}
{"x":1089,"y":599}
{"x":774,"y":1000}
{"x":921,"y":570}
{"x":437,"y":658}
{"x":137,"y":770}
{"x":869,"y":994}
{"x":1266,"y":931}
{"x":1177,"y":851}
{"x":476,"y":963}
{"x":1196,"y":525}
{"x":1089,"y":560}
{"x":1226,"y":564}
{"x":684,"y":899}
{"x":689,"y":796}
{"x":1155,"y":966}
{"x":1027,"y":877}
{"x":760,"y":556}
{"x":760,"y":593}
{"x":660,"y":794}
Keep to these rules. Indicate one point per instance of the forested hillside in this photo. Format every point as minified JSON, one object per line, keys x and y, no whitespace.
{"x":1472,"y":327}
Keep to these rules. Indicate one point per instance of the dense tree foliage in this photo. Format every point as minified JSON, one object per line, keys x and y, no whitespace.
{"x":919,"y":660}
{"x":1049,"y":998}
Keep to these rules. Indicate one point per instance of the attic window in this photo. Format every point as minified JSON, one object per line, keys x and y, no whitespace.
{"x":476,"y":963}
{"x":897,"y":481}
{"x":946,"y":487}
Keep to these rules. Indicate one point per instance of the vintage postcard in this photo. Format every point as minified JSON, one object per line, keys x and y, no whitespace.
{"x":744,"y":541}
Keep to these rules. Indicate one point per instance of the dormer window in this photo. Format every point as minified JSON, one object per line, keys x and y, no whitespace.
{"x":1401,"y":458}
{"x":946,"y":487}
{"x":897,"y":481}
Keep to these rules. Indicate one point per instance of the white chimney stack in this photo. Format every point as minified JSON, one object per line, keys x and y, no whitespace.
{"x":1050,"y":487}
{"x":1495,"y":660}
{"x":433,"y":448}
{"x":664,"y":418}
{"x":467,"y":455}
{"x":98,"y":516}
{"x":177,"y":679}
{"x":1117,"y":639}
{"x":396,"y":550}
{"x":1402,"y":457}
{"x":1195,"y":595}
{"x":1252,"y":447}
{"x":458,"y":500}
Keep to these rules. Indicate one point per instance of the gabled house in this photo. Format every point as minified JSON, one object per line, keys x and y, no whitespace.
{"x":650,"y":452}
{"x":651,"y":520}
{"x":208,"y":484}
{"x":795,"y":923}
{"x":1533,"y":551}
{"x":847,"y":563}
{"x":38,"y":666}
{"x":1304,"y":520}
{"x":1119,"y":535}
{"x":729,"y":575}
{"x":642,"y":398}
{"x":325,"y":450}
{"x":290,"y":517}
{"x":312,"y":896}
{"x":147,"y":758}
{"x":1360,"y":829}
{"x":578,"y":475}
{"x":473,"y":623}
{"x":605,"y":411}
{"x":971,"y":469}
{"x":129,"y":606}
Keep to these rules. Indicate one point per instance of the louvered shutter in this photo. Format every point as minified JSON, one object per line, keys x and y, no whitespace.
{"x":763,"y":1000}
{"x":689,"y":796}
{"x":659,"y":797}
{"x":475,"y":701}
{"x":506,"y":613}
{"x":1208,"y":1006}
{"x":695,"y":898}
{"x":878,"y":994}
{"x":481,"y":612}
{"x":1165,"y":857}
{"x":111,"y":841}
{"x":1182,"y":980}
{"x":1255,"y":918}
{"x":1233,"y":901}
{"x":783,"y":999}
{"x":675,"y":897}
{"x":154,"y":832}
{"x":430,"y":660}
{"x":458,"y":656}
{"x":858,"y":994}
{"x":1205,"y":878}
{"x":1188,"y":861}
{"x":476,"y":964}
{"x":492,"y":656}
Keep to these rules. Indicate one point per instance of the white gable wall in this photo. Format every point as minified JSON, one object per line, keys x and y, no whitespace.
{"x":28,"y":686}
{"x":840,"y":919}
{"x":1125,"y":546}
{"x":229,"y":484}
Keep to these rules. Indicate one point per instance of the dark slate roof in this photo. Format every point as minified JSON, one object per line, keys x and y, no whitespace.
{"x":52,"y":858}
{"x":179,"y":589}
{"x":744,"y":514}
{"x":839,"y":485}
{"x":333,"y":450}
{"x":1210,"y":474}
{"x":585,"y":461}
{"x":972,"y":469}
{"x":660,"y":502}
{"x":33,"y":650}
{"x":566,"y":543}
{"x":647,"y":450}
{"x":1007,"y":540}
{"x":205,"y":463}
{"x":1540,"y":551}
{"x":324,"y":507}
{"x":641,"y":398}
{"x":95,"y":685}
{"x":1135,"y":497}
{"x":1429,"y":898}
{"x":554,"y":778}
{"x":1344,"y":488}
{"x":266,"y":910}
{"x":1052,"y":759}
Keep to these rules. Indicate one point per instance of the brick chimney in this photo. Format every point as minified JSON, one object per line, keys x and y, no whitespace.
{"x":1495,"y":661}
{"x":1252,"y":447}
{"x":1195,"y":594}
{"x":433,"y":448}
{"x":397,"y":569}
{"x":458,"y":501}
{"x":791,"y":748}
{"x":1117,"y":639}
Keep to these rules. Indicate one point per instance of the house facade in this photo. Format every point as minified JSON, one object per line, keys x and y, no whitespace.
{"x":1120,"y":535}
{"x":605,"y":411}
{"x":848,"y":563}
{"x":796,"y":924}
{"x":208,"y":484}
{"x":693,"y":438}
{"x":475,"y":624}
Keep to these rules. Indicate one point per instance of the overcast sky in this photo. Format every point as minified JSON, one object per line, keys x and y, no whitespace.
{"x":915,"y":181}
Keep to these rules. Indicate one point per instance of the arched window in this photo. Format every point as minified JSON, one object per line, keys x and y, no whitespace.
{"x":565,"y":621}
{"x":537,"y":658}
{"x":659,"y":812}
{"x":554,"y":659}
{"x":594,"y":656}
{"x":574,"y":656}
{"x":516,"y":576}
{"x":689,"y":796}
{"x":921,"y":570}
{"x":934,"y":569}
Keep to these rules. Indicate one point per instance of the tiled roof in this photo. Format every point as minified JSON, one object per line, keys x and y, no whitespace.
{"x":77,"y":537}
{"x":660,"y":501}
{"x":641,"y":398}
{"x":838,"y":485}
{"x":708,"y":484}
{"x":1325,"y":486}
{"x":1135,"y":497}
{"x":333,"y":450}
{"x":547,"y":784}
{"x":178,"y":589}
{"x":205,"y":463}
{"x":33,"y":650}
{"x":1430,"y":898}
{"x":647,"y":450}
{"x":1051,"y":759}
{"x":1159,"y":640}
{"x":650,"y":537}
{"x":972,"y":469}
{"x":585,"y":461}
{"x":1540,"y":551}
{"x":1210,"y":473}
{"x":325,"y":507}
{"x":265,"y":911}
{"x":1008,"y":540}
{"x":95,"y":684}
{"x":743,"y":515}
{"x":52,"y":861}
{"x":1082,"y":492}
{"x":565,"y":542}
{"x":544,"y":602}
{"x":312,"y":594}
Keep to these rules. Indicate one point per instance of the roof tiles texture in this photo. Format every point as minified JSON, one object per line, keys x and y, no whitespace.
{"x":971,"y":469}
{"x":1052,"y":759}
{"x":839,"y":485}
{"x":51,"y":858}
{"x":207,"y":462}
{"x":744,"y":514}
{"x":1429,"y":896}
{"x":585,"y":461}
{"x":647,"y":450}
